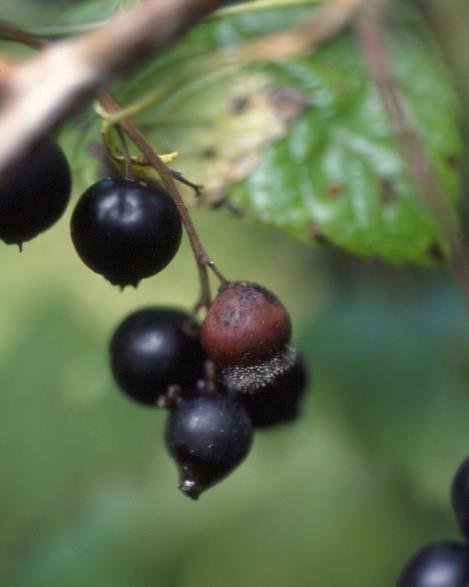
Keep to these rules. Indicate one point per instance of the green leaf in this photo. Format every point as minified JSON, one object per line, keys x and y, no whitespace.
{"x":305,"y":145}
{"x":338,"y":174}
{"x":81,"y":17}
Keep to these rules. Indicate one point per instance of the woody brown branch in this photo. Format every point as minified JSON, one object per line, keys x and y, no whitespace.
{"x":40,"y":93}
{"x":44,"y":90}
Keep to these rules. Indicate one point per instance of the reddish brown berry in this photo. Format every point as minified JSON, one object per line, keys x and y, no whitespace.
{"x":245,"y":325}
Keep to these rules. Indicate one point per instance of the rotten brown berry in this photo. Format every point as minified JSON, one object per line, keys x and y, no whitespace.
{"x":245,"y":325}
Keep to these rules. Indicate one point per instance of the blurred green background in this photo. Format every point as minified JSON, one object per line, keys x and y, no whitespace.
{"x":88,"y":495}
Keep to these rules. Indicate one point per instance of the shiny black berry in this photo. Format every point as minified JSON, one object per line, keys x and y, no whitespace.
{"x":126,"y":229}
{"x":442,"y":564}
{"x":153,"y":349}
{"x":277,"y":403}
{"x":35,"y":195}
{"x":460,"y":497}
{"x":208,"y":435}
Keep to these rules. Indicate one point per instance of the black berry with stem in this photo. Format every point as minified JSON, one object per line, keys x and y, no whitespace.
{"x":208,"y":434}
{"x":277,"y":403}
{"x":35,"y":195}
{"x":442,"y":564}
{"x":153,"y":349}
{"x":126,"y":230}
{"x":460,"y":497}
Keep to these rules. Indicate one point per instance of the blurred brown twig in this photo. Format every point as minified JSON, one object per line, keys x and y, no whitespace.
{"x":41,"y":92}
{"x":372,"y":35}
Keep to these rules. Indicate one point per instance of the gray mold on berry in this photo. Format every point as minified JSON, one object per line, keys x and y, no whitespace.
{"x":252,"y":378}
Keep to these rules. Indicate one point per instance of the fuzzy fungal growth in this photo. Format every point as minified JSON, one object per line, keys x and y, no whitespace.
{"x":277,"y":403}
{"x":251,"y":379}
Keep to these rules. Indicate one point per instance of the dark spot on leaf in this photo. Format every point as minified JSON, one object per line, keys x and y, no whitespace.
{"x":209,"y":153}
{"x":334,"y":190}
{"x":452,"y":160}
{"x":240,"y":104}
{"x":317,"y":234}
{"x":436,"y":253}
{"x":386,"y":190}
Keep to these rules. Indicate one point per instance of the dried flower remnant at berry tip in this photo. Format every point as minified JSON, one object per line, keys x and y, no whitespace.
{"x":279,"y":402}
{"x":208,"y":435}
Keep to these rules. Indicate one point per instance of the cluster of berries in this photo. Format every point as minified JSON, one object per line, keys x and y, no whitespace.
{"x":444,"y":563}
{"x":220,"y":380}
{"x":160,"y":357}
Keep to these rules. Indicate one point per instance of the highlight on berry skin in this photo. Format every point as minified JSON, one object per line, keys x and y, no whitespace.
{"x":442,"y":564}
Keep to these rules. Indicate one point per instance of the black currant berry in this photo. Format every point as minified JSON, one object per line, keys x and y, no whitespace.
{"x":35,"y":195}
{"x":126,"y":229}
{"x":460,"y":497}
{"x":208,"y":435}
{"x":153,"y":349}
{"x":277,"y":403}
{"x":443,"y":564}
{"x":245,"y":324}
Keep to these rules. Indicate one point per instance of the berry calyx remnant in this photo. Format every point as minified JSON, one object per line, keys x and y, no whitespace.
{"x":155,"y":348}
{"x":126,"y":229}
{"x":35,"y":195}
{"x":208,"y":435}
